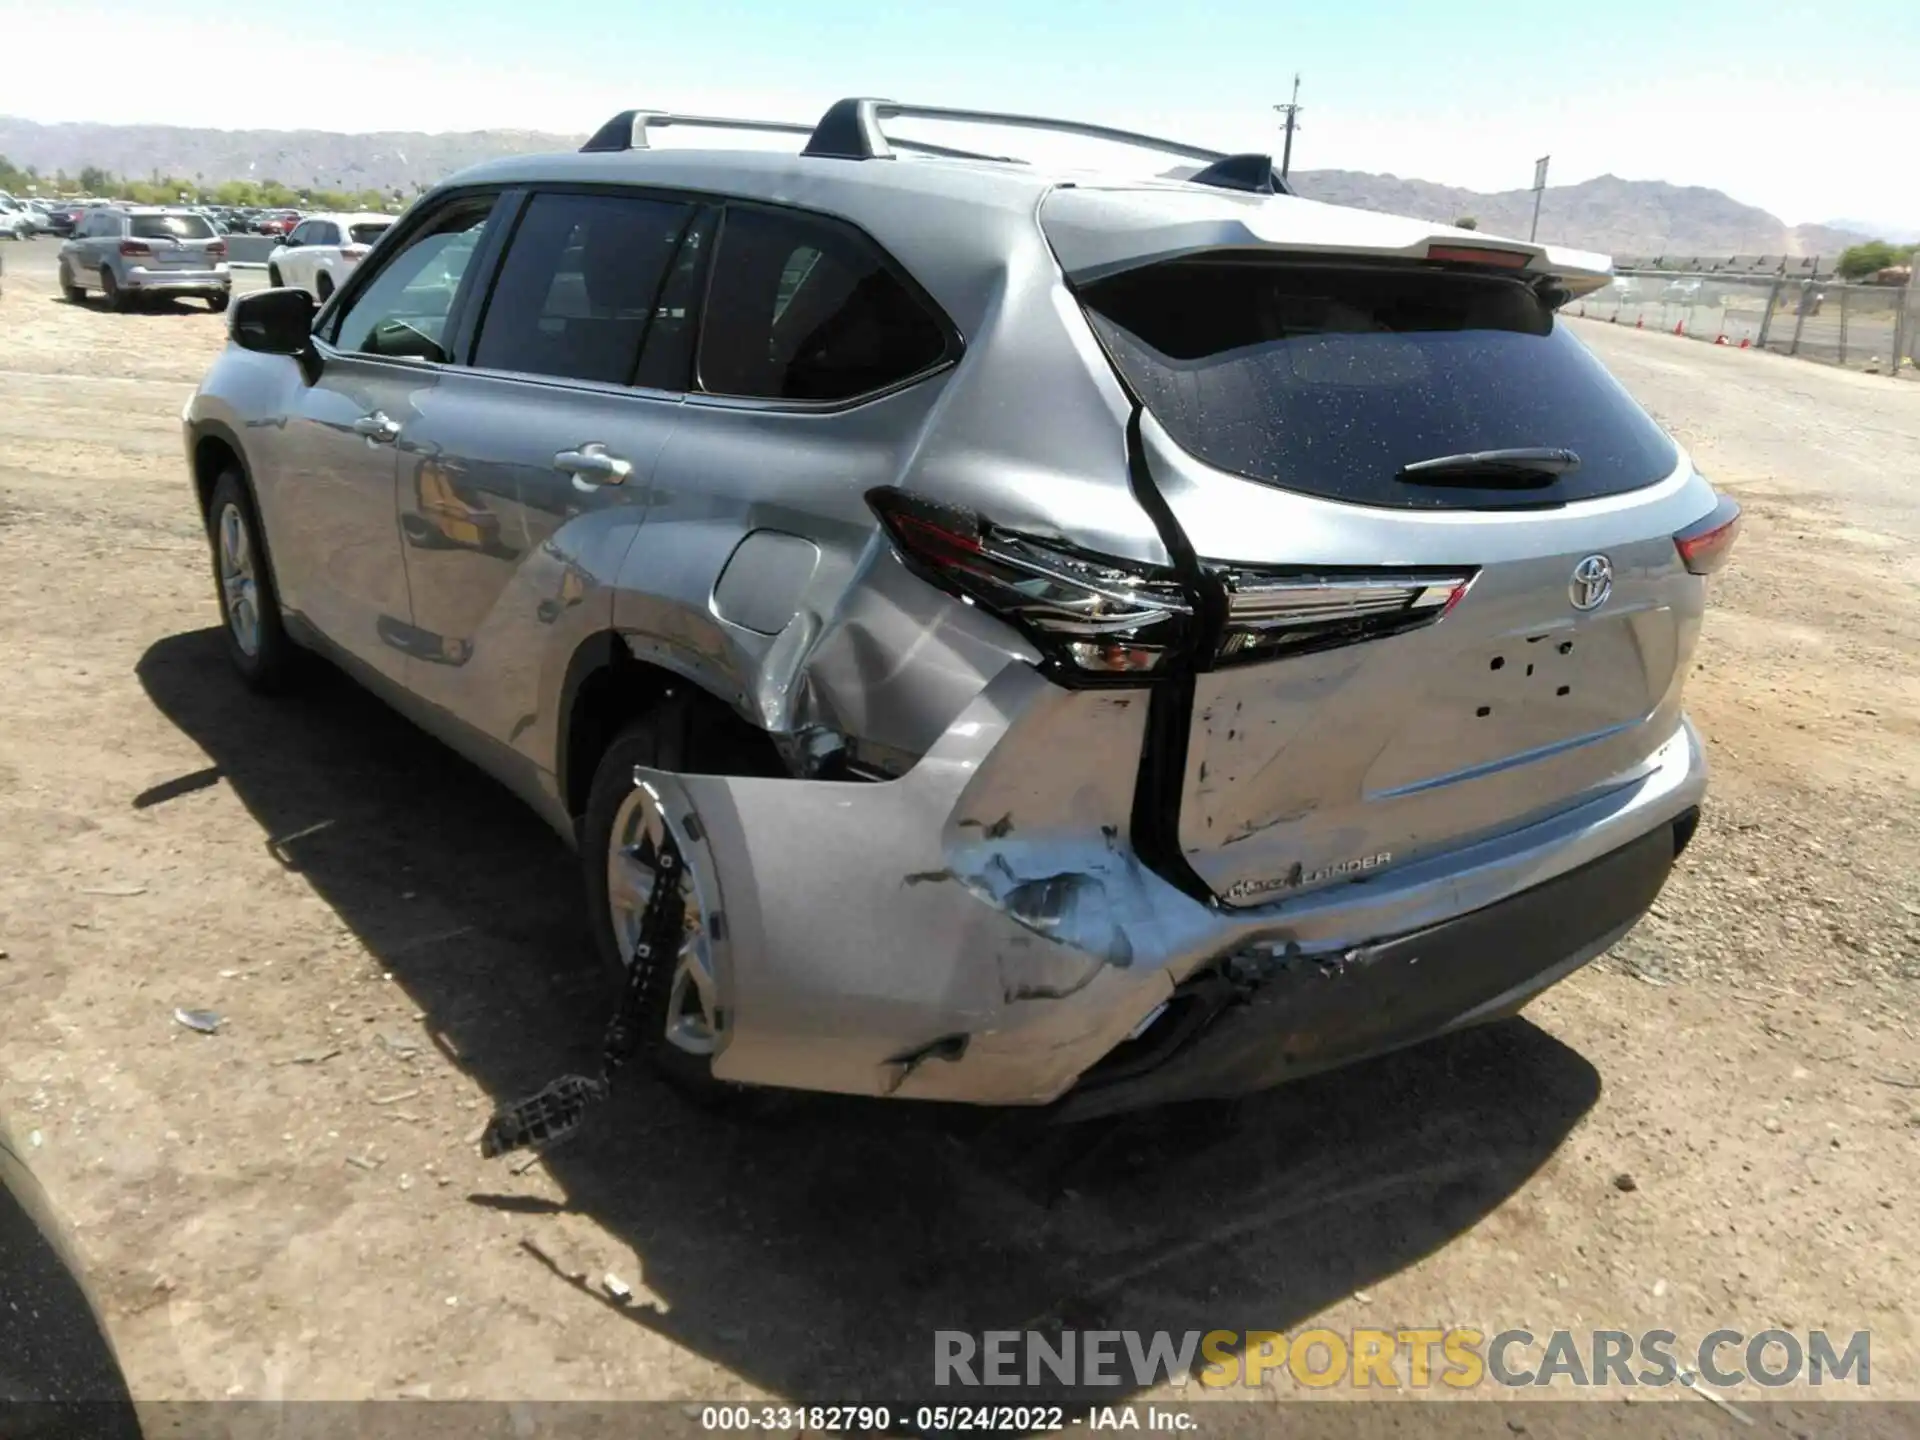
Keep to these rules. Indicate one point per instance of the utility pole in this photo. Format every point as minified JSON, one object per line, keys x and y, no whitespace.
{"x":1290,"y":110}
{"x":1539,"y":189}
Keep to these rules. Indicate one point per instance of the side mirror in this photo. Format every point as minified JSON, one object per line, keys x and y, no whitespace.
{"x":285,"y":240}
{"x":273,"y":322}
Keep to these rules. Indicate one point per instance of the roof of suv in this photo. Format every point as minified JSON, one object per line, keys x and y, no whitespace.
{"x":774,"y":176}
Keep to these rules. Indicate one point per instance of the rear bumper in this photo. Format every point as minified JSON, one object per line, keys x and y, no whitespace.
{"x":138,"y":277}
{"x":980,"y":930}
{"x":1249,"y":1026}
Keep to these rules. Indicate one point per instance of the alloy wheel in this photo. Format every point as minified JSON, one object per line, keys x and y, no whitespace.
{"x":239,"y":589}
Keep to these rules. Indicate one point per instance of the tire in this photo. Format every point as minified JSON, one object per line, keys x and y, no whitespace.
{"x":273,"y":277}
{"x":76,"y":294}
{"x":218,"y":301}
{"x":110,"y":290}
{"x":323,"y":287}
{"x":255,"y":636}
{"x":658,"y":740}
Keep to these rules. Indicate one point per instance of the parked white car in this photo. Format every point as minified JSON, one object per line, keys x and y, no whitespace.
{"x":21,"y":220}
{"x":322,"y":250}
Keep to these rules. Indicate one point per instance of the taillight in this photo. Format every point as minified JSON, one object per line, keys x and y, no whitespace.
{"x":217,"y":249}
{"x":135,"y":247}
{"x":353,"y":252}
{"x":1271,"y":614}
{"x":1095,"y":617}
{"x":1705,"y":546}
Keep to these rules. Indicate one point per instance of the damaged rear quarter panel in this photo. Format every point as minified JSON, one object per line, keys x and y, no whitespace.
{"x":867,"y":922}
{"x":869,"y":652}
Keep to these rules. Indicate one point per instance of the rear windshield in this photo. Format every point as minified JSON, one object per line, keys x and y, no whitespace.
{"x":1328,"y":381}
{"x":177,"y":227}
{"x":366,"y":234}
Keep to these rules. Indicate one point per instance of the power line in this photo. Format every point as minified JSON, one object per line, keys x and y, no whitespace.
{"x":1291,"y":110}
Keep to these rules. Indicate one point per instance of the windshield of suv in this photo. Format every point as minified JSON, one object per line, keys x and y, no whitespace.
{"x":1329,"y":380}
{"x":171,"y":227}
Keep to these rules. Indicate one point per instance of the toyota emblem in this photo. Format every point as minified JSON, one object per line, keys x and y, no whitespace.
{"x":1592,"y":583}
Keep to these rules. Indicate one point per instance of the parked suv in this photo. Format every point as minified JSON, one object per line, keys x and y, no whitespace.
{"x":130,"y":250}
{"x":322,"y":250}
{"x":1058,"y":635}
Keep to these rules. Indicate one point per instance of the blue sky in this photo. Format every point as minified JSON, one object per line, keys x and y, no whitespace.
{"x":1780,"y":106}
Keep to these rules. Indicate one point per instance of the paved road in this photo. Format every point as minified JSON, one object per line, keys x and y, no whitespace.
{"x":1792,"y":426}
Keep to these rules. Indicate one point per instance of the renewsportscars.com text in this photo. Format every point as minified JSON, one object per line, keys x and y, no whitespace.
{"x":1457,"y":1358}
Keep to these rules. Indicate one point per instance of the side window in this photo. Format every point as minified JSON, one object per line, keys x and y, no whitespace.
{"x":802,"y":308}
{"x":325,"y":232}
{"x":403,"y":312}
{"x":579,"y":284}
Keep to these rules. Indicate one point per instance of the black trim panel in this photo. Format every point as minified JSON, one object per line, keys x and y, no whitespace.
{"x":1267,"y":1020}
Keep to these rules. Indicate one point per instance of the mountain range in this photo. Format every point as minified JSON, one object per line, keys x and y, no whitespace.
{"x":1620,"y":217}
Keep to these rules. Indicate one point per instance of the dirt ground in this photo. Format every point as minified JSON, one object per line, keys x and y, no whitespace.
{"x":295,"y":1208}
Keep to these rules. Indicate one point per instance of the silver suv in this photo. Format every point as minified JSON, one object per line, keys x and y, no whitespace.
{"x":1068,"y":637}
{"x":126,"y":251}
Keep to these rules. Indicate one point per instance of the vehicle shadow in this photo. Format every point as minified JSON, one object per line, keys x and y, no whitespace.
{"x":142,"y":305}
{"x":817,"y":1253}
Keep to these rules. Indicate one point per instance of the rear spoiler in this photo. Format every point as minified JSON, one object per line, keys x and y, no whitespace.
{"x":1099,"y":231}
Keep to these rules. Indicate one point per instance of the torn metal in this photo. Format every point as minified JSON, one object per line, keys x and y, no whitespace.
{"x":557,"y":1111}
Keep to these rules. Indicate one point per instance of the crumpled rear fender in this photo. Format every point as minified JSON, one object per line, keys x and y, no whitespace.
{"x":914,"y":937}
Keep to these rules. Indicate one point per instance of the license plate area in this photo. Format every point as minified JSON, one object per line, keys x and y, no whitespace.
{"x":1531,"y":691}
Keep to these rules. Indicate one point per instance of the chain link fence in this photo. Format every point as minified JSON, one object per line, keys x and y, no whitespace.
{"x":1869,"y":327}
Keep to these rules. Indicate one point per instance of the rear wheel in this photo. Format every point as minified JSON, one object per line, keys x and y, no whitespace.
{"x":217,"y":300}
{"x":678,"y":1029}
{"x":110,"y":290}
{"x":256,"y":639}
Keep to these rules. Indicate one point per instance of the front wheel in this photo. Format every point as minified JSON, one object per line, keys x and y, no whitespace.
{"x":76,"y":294}
{"x":257,"y":642}
{"x":323,"y":287}
{"x":273,"y":277}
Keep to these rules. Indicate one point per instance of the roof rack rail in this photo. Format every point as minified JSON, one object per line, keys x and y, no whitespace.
{"x":628,"y":131}
{"x":850,"y":130}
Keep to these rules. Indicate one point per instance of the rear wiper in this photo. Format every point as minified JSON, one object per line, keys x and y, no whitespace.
{"x":1521,"y":466}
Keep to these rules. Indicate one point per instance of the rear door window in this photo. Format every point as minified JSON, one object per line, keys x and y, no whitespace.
{"x":580,"y":282}
{"x":1329,"y":380}
{"x":367,"y":232}
{"x":803,"y":308}
{"x":171,"y":227}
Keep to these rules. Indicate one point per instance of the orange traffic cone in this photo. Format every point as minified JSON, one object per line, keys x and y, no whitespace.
{"x":1719,"y":339}
{"x":1746,"y":344}
{"x":1681,"y":328}
{"x":1641,"y":323}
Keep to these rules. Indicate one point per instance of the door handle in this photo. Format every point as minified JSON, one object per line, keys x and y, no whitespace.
{"x":377,"y":427}
{"x":592,"y":465}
